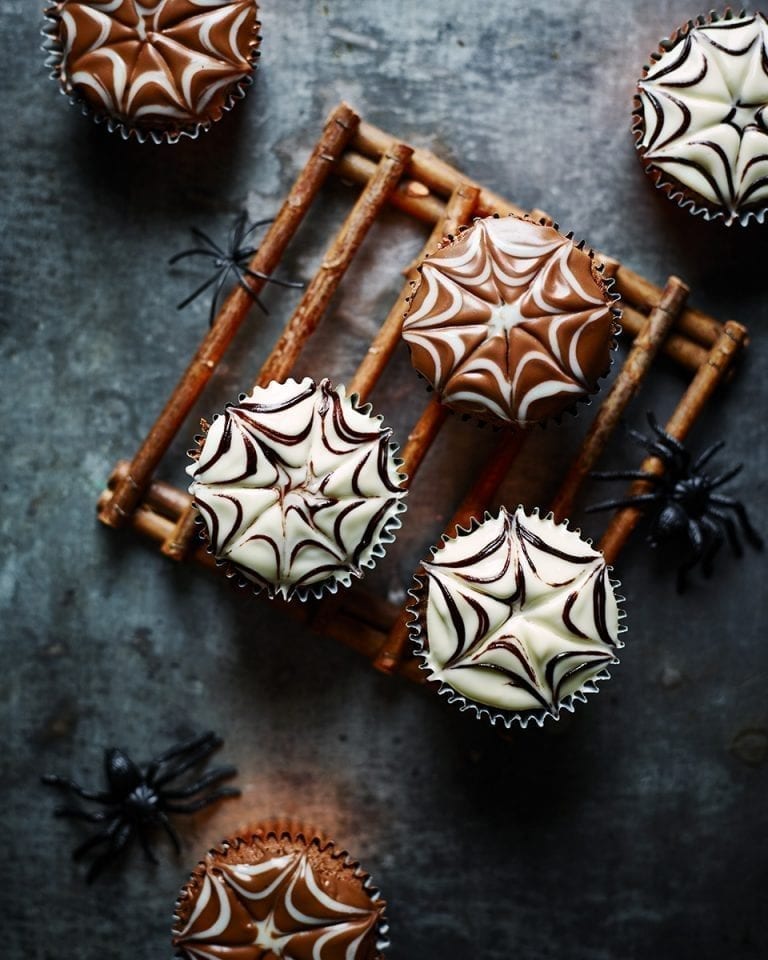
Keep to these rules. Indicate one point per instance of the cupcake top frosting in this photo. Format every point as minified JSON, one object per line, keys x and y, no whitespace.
{"x":517,"y":614}
{"x":510,"y":321}
{"x":158,"y":63}
{"x":704,"y":113}
{"x":297,"y":486}
{"x":280,"y":897}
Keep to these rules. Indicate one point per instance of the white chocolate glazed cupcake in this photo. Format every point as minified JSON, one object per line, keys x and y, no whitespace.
{"x":701,"y":117}
{"x":298,"y":488}
{"x":516,"y":618}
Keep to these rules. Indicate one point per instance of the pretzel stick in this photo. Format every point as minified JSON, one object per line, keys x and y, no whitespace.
{"x":721,"y":356}
{"x":339,"y":128}
{"x":312,"y":306}
{"x":624,"y":387}
{"x":335,"y":263}
{"x":458,"y":211}
{"x":685,"y":352}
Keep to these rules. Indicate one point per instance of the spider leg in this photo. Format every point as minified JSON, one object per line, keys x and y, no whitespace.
{"x":217,"y":293}
{"x":213,"y":776}
{"x":166,"y":825}
{"x":206,"y":801}
{"x":238,"y":230}
{"x":73,"y":813}
{"x":193,"y":252}
{"x":204,"y":238}
{"x":186,"y":755}
{"x":201,"y":289}
{"x":667,"y":440}
{"x":638,"y":500}
{"x":626,"y":475}
{"x":251,"y":293}
{"x":715,"y":541}
{"x":725,"y":477}
{"x":256,"y":225}
{"x":293,"y":284}
{"x":52,"y":780}
{"x":146,"y":846}
{"x":696,"y":539}
{"x":96,"y":840}
{"x":118,"y":842}
{"x":740,"y":510}
{"x":726,"y":522}
{"x":706,"y":455}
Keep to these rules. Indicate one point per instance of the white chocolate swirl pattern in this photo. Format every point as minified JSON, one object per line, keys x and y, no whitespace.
{"x":157,"y":63}
{"x":703,"y":115}
{"x":517,"y":615}
{"x":278,"y":898}
{"x":297,"y":487}
{"x":510,"y":322}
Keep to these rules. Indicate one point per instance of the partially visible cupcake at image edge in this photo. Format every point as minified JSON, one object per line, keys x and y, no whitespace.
{"x":298,"y":488}
{"x":279,"y":890}
{"x":158,"y":70}
{"x":701,"y":117}
{"x":511,"y":322}
{"x":516,"y":619}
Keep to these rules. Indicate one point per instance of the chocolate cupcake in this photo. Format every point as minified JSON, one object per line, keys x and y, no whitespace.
{"x":279,"y":892}
{"x":161,"y":69}
{"x":701,"y":117}
{"x":511,"y":322}
{"x":298,"y":488}
{"x":516,"y":618}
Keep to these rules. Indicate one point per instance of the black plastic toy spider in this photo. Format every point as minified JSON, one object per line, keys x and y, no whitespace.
{"x":686,"y":507}
{"x":138,"y":800}
{"x":231,"y":259}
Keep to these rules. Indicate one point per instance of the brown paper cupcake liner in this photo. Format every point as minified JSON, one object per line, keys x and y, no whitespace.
{"x":570,"y":411}
{"x":678,"y":193}
{"x":293,"y":832}
{"x":54,"y":50}
{"x":387,"y":535}
{"x":416,"y":609}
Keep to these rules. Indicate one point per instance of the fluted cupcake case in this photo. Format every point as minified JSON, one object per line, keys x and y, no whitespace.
{"x":655,"y":320}
{"x":516,"y":618}
{"x":298,"y":488}
{"x":281,"y":889}
{"x":168,"y":70}
{"x":701,"y":117}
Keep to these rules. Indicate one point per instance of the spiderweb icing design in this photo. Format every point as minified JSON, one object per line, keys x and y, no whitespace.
{"x":296,"y":485}
{"x":510,"y":322}
{"x":704,"y":110}
{"x":160,"y":62}
{"x":519,"y":613}
{"x":279,"y":902}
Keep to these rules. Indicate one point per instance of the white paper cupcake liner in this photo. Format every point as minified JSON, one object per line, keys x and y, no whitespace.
{"x":488,"y":712}
{"x":54,"y":51}
{"x":678,"y":193}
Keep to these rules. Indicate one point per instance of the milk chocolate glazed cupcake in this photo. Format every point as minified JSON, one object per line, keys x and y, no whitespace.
{"x":516,"y":619}
{"x":160,"y":69}
{"x":298,"y":488}
{"x":511,"y":322}
{"x":279,"y":892}
{"x":701,"y":117}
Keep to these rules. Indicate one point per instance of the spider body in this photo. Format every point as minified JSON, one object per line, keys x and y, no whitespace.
{"x":683,"y":502}
{"x":232,"y":259}
{"x":138,"y":799}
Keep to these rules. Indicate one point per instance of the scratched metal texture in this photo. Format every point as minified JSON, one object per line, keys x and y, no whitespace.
{"x":635,"y":829}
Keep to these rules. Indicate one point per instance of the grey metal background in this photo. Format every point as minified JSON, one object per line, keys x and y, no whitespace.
{"x":636,"y":829}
